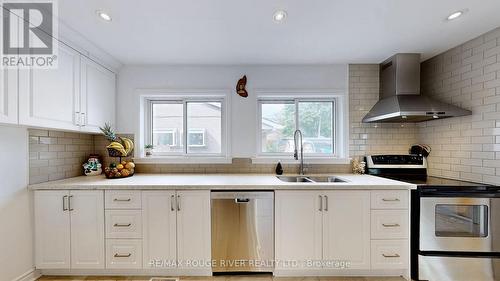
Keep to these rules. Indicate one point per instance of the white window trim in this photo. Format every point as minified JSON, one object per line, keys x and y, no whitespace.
{"x":341,"y":126}
{"x":148,"y":95}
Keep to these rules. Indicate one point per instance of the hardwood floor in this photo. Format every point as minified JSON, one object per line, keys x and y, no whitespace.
{"x":219,"y":278}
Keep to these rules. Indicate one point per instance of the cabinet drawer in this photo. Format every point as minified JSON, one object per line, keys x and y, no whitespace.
{"x":389,"y":199}
{"x":389,"y":224}
{"x":389,"y":254}
{"x":121,"y":253}
{"x":123,"y":224}
{"x":122,"y":199}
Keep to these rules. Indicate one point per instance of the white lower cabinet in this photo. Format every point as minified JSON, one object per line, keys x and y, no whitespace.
{"x":346,"y":228}
{"x":159,"y":229}
{"x":345,"y":231}
{"x":124,"y":253}
{"x":69,"y":229}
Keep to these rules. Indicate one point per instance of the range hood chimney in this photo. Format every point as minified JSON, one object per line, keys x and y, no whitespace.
{"x":400,"y":99}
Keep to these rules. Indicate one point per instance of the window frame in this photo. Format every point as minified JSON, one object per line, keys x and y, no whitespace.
{"x":184,"y":156}
{"x":337,"y":129}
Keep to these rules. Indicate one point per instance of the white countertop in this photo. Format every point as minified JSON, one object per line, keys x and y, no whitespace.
{"x":217,"y":182}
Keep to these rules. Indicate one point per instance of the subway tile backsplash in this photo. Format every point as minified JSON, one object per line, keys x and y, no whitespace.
{"x":466,"y":148}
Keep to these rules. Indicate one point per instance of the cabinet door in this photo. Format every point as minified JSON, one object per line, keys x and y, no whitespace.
{"x":159,"y":228}
{"x":346,"y":228}
{"x":193,"y":228}
{"x":298,"y":228}
{"x":51,"y":97}
{"x":52,"y":230}
{"x":8,"y":91}
{"x":98,"y":95}
{"x":87,"y":229}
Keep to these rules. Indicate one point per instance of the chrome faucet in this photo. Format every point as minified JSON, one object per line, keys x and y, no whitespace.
{"x":296,"y":152}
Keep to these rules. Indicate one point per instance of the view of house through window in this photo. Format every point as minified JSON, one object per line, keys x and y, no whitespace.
{"x":202,"y":120}
{"x":280,"y":119}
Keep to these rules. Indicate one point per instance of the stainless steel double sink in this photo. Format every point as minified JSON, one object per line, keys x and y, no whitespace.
{"x":311,"y":179}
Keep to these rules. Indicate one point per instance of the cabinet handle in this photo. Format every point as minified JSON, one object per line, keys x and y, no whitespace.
{"x":122,"y":225}
{"x":70,"y":208}
{"x":77,"y":118}
{"x":178,"y":202}
{"x":320,"y":203}
{"x":390,"y":199}
{"x":391,"y":256}
{"x":123,"y":256}
{"x":65,"y":198}
{"x":172,"y":198}
{"x":390,"y":225}
{"x":326,"y":203}
{"x":122,"y":200}
{"x":84,"y":122}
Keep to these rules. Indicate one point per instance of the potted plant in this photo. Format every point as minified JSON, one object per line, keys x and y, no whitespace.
{"x":149,"y":150}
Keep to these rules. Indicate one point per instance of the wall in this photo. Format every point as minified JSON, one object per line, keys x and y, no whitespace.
{"x":468,"y":75}
{"x":16,"y":243}
{"x":365,"y":139}
{"x":55,"y":155}
{"x":243,"y":110}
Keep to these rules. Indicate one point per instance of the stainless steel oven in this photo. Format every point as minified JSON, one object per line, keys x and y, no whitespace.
{"x":459,"y":234}
{"x":459,"y":224}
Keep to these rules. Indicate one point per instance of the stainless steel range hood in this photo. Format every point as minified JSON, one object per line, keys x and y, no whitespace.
{"x":400,"y":99}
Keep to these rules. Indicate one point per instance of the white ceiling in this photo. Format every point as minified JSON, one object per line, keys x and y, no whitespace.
{"x":243,"y":31}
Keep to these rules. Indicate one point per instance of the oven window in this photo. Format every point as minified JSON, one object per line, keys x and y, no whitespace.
{"x":461,"y":220}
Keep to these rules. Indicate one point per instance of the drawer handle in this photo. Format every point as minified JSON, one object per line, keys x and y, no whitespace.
{"x":391,"y":225}
{"x":390,"y":199}
{"x":391,"y":256}
{"x":123,"y":256}
{"x":122,"y":200}
{"x":122,"y":225}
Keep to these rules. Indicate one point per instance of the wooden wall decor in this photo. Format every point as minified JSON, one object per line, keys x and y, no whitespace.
{"x":240,"y":87}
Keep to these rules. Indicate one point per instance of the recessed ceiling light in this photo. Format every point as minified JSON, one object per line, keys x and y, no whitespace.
{"x":279,"y":16}
{"x":455,"y":15}
{"x":104,"y":15}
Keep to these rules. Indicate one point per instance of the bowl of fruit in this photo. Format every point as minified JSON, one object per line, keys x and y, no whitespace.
{"x":120,"y":170}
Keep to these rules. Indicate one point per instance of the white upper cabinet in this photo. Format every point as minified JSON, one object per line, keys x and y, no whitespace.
{"x":51,"y":97}
{"x":8,"y":94}
{"x":97,"y":95}
{"x":298,"y":227}
{"x":193,"y":228}
{"x":346,"y":227}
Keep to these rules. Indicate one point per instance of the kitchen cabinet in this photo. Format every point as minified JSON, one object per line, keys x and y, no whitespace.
{"x":8,"y":94}
{"x":82,"y":91}
{"x":51,"y":97}
{"x":159,"y":227}
{"x":298,"y":223}
{"x":176,"y":228}
{"x":69,"y":229}
{"x":193,"y":229}
{"x":346,"y":227}
{"x":323,"y":226}
{"x":97,"y":95}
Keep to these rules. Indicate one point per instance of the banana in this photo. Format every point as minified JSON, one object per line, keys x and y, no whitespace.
{"x":119,"y":147}
{"x":128,"y":144}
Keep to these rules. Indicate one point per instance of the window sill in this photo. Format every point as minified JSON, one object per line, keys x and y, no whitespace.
{"x":182,"y":160}
{"x":307,"y":160}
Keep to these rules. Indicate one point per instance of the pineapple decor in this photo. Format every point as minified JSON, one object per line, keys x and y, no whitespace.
{"x":119,"y":146}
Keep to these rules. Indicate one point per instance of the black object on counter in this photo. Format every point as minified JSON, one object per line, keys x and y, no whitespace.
{"x":279,"y":169}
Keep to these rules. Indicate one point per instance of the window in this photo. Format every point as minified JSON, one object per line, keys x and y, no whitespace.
{"x":201,"y":119}
{"x":281,"y":117}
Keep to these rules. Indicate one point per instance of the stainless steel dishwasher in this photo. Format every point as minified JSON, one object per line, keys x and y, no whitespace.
{"x":243,"y":231}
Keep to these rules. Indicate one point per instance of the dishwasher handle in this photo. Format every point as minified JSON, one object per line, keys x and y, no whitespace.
{"x":241,"y":200}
